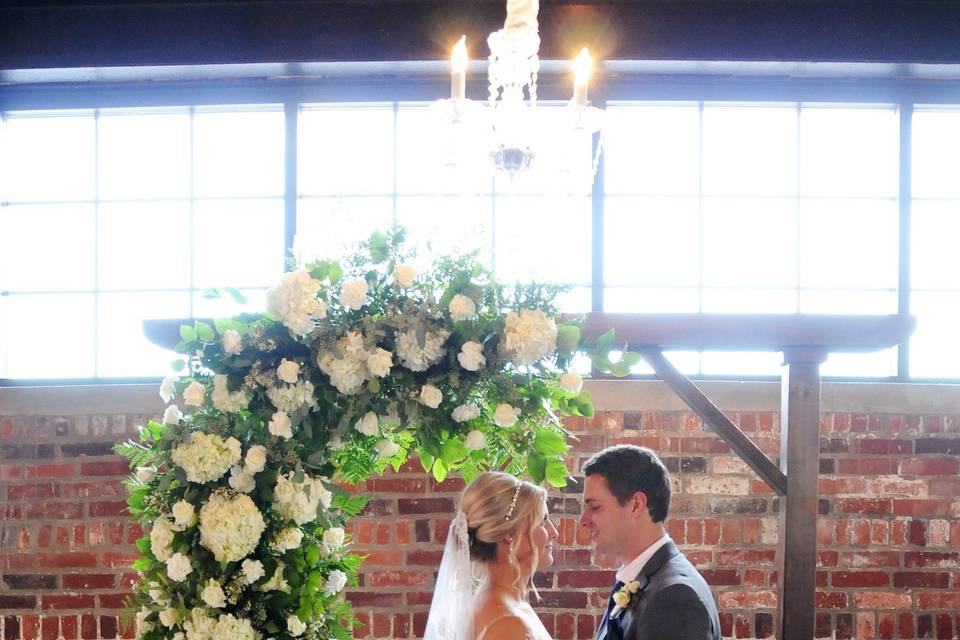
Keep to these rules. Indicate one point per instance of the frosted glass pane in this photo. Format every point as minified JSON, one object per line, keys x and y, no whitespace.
{"x":749,"y":301}
{"x":742,"y":363}
{"x":123,"y":350}
{"x":848,"y":301}
{"x":47,"y":247}
{"x":935,"y":345}
{"x":648,"y":300}
{"x":576,"y":300}
{"x":936,"y":140}
{"x":329,"y":227}
{"x":144,"y":155}
{"x":238,"y":243}
{"x":849,"y":151}
{"x":749,"y":150}
{"x":652,"y":241}
{"x":447,"y":226}
{"x":346,"y":150}
{"x":849,"y":243}
{"x":225,"y":307}
{"x":749,"y":242}
{"x":34,"y":320}
{"x":935,"y":227}
{"x":238,"y":153}
{"x":864,"y":365}
{"x":49,"y":157}
{"x":542,"y":240}
{"x":652,"y":149}
{"x":144,"y":245}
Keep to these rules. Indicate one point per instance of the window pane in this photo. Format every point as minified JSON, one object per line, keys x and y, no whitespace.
{"x":935,"y":345}
{"x":239,"y":243}
{"x":652,"y":241}
{"x":749,"y":150}
{"x":238,"y":153}
{"x":749,"y":242}
{"x":936,"y":140}
{"x":346,"y":149}
{"x":863,"y":365}
{"x":650,"y":300}
{"x":144,"y":245}
{"x":935,"y":227}
{"x":447,"y":226}
{"x":144,"y":154}
{"x":123,"y":350}
{"x":34,"y":320}
{"x":742,"y":363}
{"x":49,"y":157}
{"x":749,"y":301}
{"x":849,"y":151}
{"x":47,"y":247}
{"x":652,"y":149}
{"x":226,"y":307}
{"x":329,"y":227}
{"x":849,"y":243}
{"x":848,"y":301}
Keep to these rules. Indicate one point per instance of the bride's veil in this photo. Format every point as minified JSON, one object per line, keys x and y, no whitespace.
{"x":451,"y":610}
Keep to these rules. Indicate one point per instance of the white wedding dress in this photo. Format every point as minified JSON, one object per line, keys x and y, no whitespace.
{"x":535,"y":628}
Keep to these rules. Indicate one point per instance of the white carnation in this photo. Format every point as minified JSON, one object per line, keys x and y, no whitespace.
{"x":224,"y":400}
{"x":287,"y":539}
{"x":506,"y":415}
{"x":353,"y":294}
{"x":417,"y":358}
{"x":252,"y":571}
{"x":206,"y":457}
{"x":387,"y":448}
{"x":571,"y":382}
{"x":369,"y":424}
{"x":213,"y":595}
{"x":471,"y":356}
{"x":146,"y":474}
{"x":348,"y":374}
{"x":290,"y":398}
{"x":404,"y":275}
{"x":276,"y":582}
{"x":462,"y":308}
{"x":295,"y":626}
{"x":530,"y":335}
{"x":294,"y":302}
{"x":161,"y":537}
{"x":288,"y":371}
{"x":184,"y":514}
{"x":178,"y":567}
{"x":299,"y":501}
{"x":379,"y":363}
{"x":476,"y":440}
{"x":172,"y":415}
{"x":232,"y":342}
{"x":256,"y":458}
{"x":167,"y":388}
{"x":229,"y":627}
{"x":334,"y":537}
{"x":465,"y":412}
{"x":280,"y":425}
{"x":336,"y":581}
{"x":169,"y":617}
{"x":193,"y":394}
{"x":430,"y":396}
{"x":230,"y":526}
{"x":241,"y":480}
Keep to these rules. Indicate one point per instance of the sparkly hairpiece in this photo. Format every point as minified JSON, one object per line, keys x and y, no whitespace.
{"x":513,"y":503}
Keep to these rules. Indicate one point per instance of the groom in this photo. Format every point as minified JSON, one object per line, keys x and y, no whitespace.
{"x":658,"y":593}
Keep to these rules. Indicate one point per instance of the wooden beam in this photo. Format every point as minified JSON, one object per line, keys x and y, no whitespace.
{"x":715,"y":418}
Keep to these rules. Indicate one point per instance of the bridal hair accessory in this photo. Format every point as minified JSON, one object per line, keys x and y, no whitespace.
{"x":513,"y":503}
{"x":451,"y":616}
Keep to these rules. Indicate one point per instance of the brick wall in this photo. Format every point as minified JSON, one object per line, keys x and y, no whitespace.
{"x":889,"y":534}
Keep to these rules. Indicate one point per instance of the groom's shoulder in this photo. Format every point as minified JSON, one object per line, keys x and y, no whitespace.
{"x":679,"y":570}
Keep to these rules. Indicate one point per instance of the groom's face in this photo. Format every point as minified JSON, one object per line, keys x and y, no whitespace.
{"x":607,"y":521}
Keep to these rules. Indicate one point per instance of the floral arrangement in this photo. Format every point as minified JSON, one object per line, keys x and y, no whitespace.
{"x":358,"y":365}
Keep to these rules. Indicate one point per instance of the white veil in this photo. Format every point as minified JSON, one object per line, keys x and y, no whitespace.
{"x":451,"y":610}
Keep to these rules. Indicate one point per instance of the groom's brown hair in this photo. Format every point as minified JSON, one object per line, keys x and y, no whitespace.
{"x":629,"y":469}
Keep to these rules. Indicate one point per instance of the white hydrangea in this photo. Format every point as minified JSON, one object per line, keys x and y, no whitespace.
{"x":230,"y":526}
{"x":295,"y":625}
{"x":280,"y":425}
{"x":294,"y":302}
{"x":288,"y":371}
{"x":417,"y":358}
{"x":299,"y":501}
{"x":276,"y":582}
{"x":256,"y":459}
{"x":471,"y":356}
{"x":199,"y":626}
{"x":336,"y":581}
{"x":184,"y":514}
{"x":353,"y":294}
{"x":172,"y":415}
{"x":193,"y":394}
{"x":530,"y":335}
{"x":476,"y":440}
{"x":369,"y":424}
{"x":167,"y":388}
{"x":206,"y":457}
{"x":506,"y":415}
{"x":287,"y":539}
{"x":430,"y":396}
{"x":404,"y":275}
{"x":229,"y":627}
{"x":465,"y":412}
{"x":347,"y":374}
{"x":334,"y":537}
{"x":232,"y":342}
{"x":462,"y":308}
{"x":224,"y":400}
{"x":161,"y":537}
{"x":379,"y":362}
{"x":571,"y":382}
{"x":348,"y":366}
{"x":290,"y":398}
{"x":178,"y":567}
{"x":387,"y":448}
{"x":213,"y":595}
{"x":241,"y":480}
{"x":169,"y":617}
{"x":252,"y":571}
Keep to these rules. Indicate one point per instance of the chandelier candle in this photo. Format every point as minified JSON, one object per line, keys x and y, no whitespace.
{"x":458,"y":70}
{"x":522,"y":14}
{"x":581,"y":76}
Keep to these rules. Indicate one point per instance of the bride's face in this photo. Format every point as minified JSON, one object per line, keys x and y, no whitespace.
{"x":543,"y":537}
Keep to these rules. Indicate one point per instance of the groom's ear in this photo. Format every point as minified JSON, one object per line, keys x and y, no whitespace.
{"x":639,"y":504}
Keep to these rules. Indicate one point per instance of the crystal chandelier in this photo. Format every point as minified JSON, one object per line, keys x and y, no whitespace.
{"x":517,"y":136}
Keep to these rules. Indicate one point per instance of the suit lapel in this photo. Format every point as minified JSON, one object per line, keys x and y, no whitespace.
{"x":653,"y":565}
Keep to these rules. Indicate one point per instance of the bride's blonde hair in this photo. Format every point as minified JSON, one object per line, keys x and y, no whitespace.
{"x":499,"y":506}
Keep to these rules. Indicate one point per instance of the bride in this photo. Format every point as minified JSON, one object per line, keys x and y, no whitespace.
{"x":500,"y":536}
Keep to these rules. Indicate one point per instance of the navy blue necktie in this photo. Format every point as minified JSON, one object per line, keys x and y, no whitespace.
{"x":613,"y":627}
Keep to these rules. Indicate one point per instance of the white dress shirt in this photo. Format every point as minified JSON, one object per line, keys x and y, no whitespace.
{"x":631,"y":570}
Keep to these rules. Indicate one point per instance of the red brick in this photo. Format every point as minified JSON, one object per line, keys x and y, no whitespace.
{"x":863,"y":505}
{"x":66,"y":602}
{"x":748,"y":600}
{"x":703,"y":445}
{"x":871,"y":559}
{"x":881,"y":600}
{"x":927,"y":559}
{"x":43,"y":490}
{"x":582,"y":579}
{"x":905,"y":626}
{"x":860,"y":579}
{"x":105,"y":468}
{"x":930,"y":466}
{"x":50,"y":628}
{"x":108,"y":509}
{"x":68,"y":627}
{"x":935,"y":600}
{"x":721,"y":577}
{"x":398,"y":578}
{"x":30,"y":625}
{"x":748,"y":557}
{"x":89,"y":581}
{"x":66,"y":560}
{"x":397,"y":485}
{"x":111,"y":600}
{"x":384,"y":557}
{"x":60,"y":470}
{"x":103,"y":489}
{"x":119,"y":558}
{"x":831,"y":600}
{"x":921,"y":579}
{"x":921,"y":507}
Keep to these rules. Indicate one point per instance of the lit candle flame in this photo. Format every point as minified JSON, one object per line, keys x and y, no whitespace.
{"x":582,"y":67}
{"x":458,"y":62}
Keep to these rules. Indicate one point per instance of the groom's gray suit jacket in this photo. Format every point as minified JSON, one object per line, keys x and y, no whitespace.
{"x":675,"y":602}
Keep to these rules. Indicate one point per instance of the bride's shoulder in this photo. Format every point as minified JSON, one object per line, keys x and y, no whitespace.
{"x":506,"y":627}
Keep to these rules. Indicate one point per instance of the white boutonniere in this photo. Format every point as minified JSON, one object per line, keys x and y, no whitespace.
{"x":624,"y":597}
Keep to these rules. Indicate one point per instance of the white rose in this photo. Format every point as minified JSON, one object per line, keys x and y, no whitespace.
{"x":213,"y":595}
{"x":571,"y":382}
{"x":183,"y":514}
{"x":280,"y":425}
{"x":465,"y":412}
{"x":232,"y":342}
{"x":289,"y":538}
{"x":353,"y":295}
{"x":241,"y":480}
{"x":167,"y":390}
{"x":256,"y":458}
{"x":169,"y":617}
{"x":146,"y":474}
{"x":252,"y":571}
{"x":178,"y":567}
{"x":476,"y":440}
{"x":430,"y":396}
{"x":288,"y":371}
{"x":387,"y":448}
{"x":172,"y":415}
{"x":471,"y":356}
{"x":295,"y":626}
{"x":404,"y":275}
{"x":336,"y":581}
{"x":379,"y":363}
{"x":369,"y":424}
{"x":462,"y":308}
{"x":506,"y":415}
{"x":334,"y":537}
{"x":193,"y":394}
{"x":179,"y":636}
